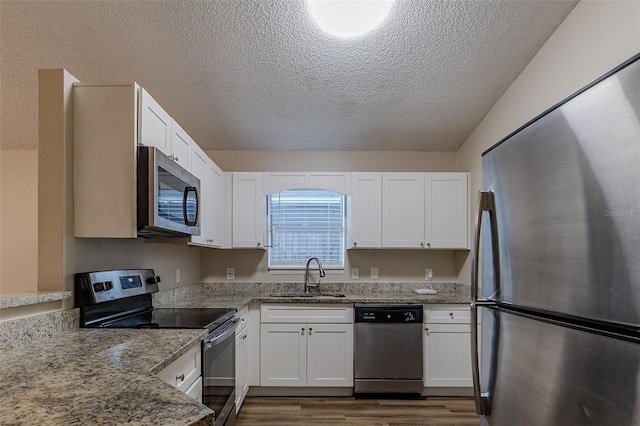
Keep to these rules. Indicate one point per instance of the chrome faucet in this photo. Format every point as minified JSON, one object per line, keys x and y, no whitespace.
{"x":307,"y":285}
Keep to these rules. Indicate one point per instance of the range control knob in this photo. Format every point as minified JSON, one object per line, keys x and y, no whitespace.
{"x":153,"y":280}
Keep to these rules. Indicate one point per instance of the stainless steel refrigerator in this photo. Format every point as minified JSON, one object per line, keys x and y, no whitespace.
{"x":558,"y":241}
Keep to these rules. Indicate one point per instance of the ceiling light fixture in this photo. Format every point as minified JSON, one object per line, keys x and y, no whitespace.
{"x":349,"y":18}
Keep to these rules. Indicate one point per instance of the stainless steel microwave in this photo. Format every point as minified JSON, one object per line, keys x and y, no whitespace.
{"x":168,"y":197}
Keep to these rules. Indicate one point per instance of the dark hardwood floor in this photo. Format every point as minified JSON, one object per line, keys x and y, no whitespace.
{"x":287,"y":411}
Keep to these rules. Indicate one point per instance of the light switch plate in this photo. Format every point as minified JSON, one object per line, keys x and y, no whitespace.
{"x":177,"y":275}
{"x":230,"y":273}
{"x":355,"y":273}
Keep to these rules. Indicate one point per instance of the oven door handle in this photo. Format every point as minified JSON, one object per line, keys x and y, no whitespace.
{"x":221,"y":333}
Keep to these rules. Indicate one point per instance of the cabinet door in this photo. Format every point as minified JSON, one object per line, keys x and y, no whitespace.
{"x":181,"y":145}
{"x":403,"y":210}
{"x":283,"y":355}
{"x":447,"y":210}
{"x":200,"y":169}
{"x":366,"y":210}
{"x":330,"y":355}
{"x":217,"y":205}
{"x":154,"y":125}
{"x":242,"y":367}
{"x":447,"y":355}
{"x":248,"y":210}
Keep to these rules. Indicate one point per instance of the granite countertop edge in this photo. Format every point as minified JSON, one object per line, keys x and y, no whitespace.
{"x":12,"y":300}
{"x":82,"y":376}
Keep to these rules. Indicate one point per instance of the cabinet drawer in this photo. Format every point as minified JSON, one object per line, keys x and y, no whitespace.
{"x":184,"y":371}
{"x":447,"y":314}
{"x":307,"y":313}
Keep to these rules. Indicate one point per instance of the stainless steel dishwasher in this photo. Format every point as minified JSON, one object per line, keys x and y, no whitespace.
{"x":388,"y":349}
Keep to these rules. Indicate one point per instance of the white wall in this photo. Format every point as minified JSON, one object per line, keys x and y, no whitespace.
{"x":595,"y":38}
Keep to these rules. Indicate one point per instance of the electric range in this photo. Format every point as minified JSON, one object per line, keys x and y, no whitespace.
{"x":123,"y":299}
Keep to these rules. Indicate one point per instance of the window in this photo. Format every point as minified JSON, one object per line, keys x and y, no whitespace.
{"x":304,"y":223}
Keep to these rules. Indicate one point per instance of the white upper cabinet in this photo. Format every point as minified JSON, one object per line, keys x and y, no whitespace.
{"x":425,"y":210}
{"x":181,"y":145}
{"x":159,"y":130}
{"x":333,"y":181}
{"x":248,"y":210}
{"x":366,"y":210}
{"x":403,"y":210}
{"x":155,"y":124}
{"x":447,"y":210}
{"x":211,"y":196}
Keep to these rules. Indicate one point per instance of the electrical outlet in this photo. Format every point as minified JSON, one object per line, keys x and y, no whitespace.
{"x":231,"y":273}
{"x":355,"y":273}
{"x":428,"y":274}
{"x":177,"y":275}
{"x":374,"y":273}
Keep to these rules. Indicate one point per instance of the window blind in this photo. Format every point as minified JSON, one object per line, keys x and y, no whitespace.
{"x":303,"y":224}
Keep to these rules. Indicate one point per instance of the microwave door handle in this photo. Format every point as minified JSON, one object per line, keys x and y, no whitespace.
{"x":185,"y":195}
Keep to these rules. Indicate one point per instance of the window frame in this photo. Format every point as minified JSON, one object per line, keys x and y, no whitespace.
{"x":296,"y":267}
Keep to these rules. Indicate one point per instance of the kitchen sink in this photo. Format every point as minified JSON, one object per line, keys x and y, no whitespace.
{"x":289,"y":295}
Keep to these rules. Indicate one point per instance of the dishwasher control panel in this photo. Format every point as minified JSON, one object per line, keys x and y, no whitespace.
{"x":388,"y":313}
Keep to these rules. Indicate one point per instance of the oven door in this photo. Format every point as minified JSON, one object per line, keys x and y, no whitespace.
{"x":219,"y":372}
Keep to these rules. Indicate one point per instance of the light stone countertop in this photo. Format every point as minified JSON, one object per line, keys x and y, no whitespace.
{"x":12,"y":300}
{"x":107,"y":376}
{"x":236,"y":295}
{"x":98,"y":376}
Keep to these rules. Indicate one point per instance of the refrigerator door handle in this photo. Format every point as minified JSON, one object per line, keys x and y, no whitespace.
{"x":486,"y":202}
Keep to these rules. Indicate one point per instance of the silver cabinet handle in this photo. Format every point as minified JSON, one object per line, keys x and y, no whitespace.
{"x":421,"y":244}
{"x":180,"y":377}
{"x":310,"y":330}
{"x":451,"y":315}
{"x":355,"y":244}
{"x":486,"y":202}
{"x":302,"y":331}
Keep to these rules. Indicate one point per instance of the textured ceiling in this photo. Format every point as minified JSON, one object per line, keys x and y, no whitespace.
{"x":260,"y":75}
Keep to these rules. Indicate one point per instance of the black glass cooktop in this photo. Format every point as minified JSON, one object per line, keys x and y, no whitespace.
{"x":209,"y":318}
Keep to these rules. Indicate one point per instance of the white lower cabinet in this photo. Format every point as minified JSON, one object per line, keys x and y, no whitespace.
{"x":185,"y":373}
{"x":317,"y":352}
{"x":447,"y":346}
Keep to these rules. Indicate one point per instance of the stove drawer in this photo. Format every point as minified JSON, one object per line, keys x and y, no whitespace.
{"x":184,"y":371}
